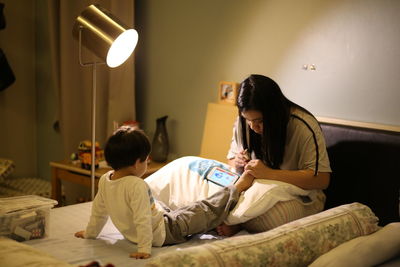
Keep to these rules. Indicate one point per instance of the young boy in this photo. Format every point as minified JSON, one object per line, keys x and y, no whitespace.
{"x":127,"y":199}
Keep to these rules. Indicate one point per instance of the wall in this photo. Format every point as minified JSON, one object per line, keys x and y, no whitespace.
{"x":186,"y":47}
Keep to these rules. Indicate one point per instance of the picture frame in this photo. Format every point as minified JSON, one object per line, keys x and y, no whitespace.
{"x":227,"y":92}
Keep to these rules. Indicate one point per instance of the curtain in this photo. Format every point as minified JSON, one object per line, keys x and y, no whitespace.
{"x":115,"y":101}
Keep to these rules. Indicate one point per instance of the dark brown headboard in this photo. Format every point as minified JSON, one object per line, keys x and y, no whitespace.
{"x":366,"y":168}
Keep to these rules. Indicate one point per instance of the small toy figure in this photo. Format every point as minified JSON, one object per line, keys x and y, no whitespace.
{"x":85,"y":154}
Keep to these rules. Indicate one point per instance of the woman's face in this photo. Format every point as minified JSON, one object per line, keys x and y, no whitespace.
{"x":254,"y":119}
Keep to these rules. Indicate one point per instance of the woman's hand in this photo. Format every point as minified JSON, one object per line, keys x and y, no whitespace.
{"x":240,"y":160}
{"x":258,"y":169}
{"x":140,"y":255}
{"x":80,"y":234}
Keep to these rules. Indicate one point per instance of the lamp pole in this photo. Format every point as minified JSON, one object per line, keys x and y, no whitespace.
{"x":93,"y":117}
{"x":93,"y":167}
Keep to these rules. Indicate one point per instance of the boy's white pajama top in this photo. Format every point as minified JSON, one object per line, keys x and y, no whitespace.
{"x":132,"y":209}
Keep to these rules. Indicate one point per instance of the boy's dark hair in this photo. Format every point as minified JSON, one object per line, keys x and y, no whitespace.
{"x":125,"y":147}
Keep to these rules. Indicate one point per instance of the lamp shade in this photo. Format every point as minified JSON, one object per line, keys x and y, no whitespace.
{"x":105,"y":35}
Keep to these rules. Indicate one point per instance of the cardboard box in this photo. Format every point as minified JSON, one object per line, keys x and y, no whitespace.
{"x":25,"y":217}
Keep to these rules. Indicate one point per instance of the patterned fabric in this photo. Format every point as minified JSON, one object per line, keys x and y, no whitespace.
{"x":283,"y":212}
{"x":20,"y":186}
{"x":297,"y":243}
{"x":6,"y":168}
{"x":203,"y":166}
{"x":25,"y":186}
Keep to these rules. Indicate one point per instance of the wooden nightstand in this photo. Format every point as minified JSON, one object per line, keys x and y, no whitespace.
{"x":66,"y":170}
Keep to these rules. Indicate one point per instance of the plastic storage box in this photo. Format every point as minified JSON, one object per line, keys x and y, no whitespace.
{"x":25,"y":217}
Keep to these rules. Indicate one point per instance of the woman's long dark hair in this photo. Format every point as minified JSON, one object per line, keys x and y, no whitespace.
{"x":262,"y":94}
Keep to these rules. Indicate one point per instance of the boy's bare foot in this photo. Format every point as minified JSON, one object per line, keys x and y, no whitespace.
{"x":228,"y":230}
{"x":244,"y":182}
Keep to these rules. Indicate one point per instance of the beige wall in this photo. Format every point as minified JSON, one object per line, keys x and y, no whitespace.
{"x":187,"y":47}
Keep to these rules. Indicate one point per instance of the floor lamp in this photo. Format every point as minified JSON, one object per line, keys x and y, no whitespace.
{"x":109,"y":39}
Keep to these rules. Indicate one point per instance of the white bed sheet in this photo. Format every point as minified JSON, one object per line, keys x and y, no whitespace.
{"x":110,"y":247}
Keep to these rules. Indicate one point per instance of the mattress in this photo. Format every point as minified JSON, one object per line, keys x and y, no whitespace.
{"x":110,"y":247}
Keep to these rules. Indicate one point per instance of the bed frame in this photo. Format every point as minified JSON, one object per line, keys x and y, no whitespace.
{"x":365,"y":160}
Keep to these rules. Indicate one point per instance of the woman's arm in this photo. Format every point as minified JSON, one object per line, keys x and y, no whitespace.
{"x":237,"y":155}
{"x":302,"y":178}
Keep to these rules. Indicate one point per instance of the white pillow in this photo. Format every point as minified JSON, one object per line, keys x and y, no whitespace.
{"x":370,"y":250}
{"x":263,"y":195}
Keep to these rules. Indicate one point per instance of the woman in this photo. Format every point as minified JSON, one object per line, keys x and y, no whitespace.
{"x":276,"y":139}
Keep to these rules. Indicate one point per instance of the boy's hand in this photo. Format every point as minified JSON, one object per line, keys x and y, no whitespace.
{"x":80,"y":234}
{"x":140,"y":255}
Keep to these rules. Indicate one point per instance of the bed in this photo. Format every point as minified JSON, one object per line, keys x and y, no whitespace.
{"x":360,"y":223}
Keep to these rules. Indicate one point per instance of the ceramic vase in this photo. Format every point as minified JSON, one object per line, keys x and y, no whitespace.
{"x":160,"y":145}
